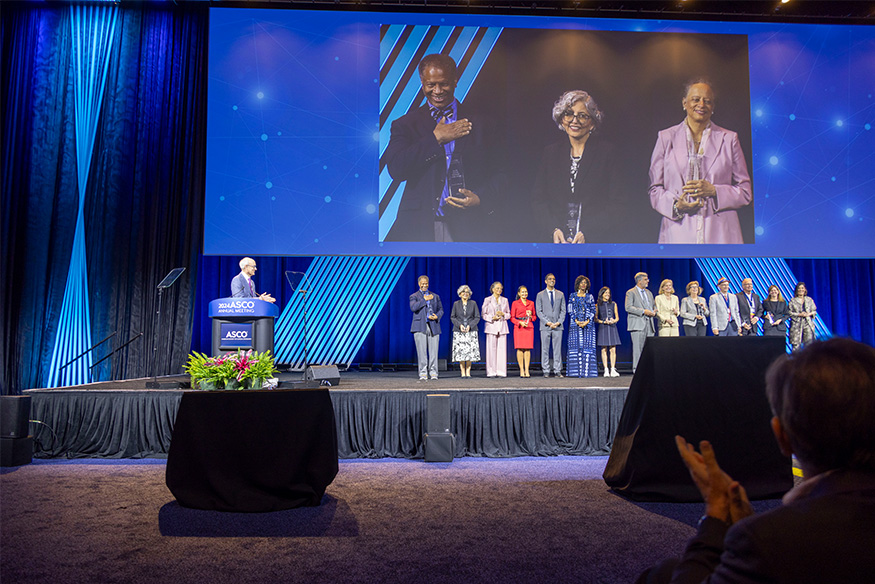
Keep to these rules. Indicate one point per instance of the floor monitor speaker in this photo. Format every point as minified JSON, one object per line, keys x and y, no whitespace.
{"x":324,"y":374}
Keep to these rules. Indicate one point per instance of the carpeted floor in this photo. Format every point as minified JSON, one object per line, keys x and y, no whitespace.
{"x":472,"y":520}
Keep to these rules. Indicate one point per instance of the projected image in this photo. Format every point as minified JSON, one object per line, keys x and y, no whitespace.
{"x":549,"y":136}
{"x":321,"y":141}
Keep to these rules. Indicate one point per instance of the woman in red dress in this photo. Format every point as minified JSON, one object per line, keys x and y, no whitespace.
{"x":522,"y":315}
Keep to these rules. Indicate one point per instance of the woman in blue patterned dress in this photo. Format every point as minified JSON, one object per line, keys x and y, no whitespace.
{"x":581,"y":361}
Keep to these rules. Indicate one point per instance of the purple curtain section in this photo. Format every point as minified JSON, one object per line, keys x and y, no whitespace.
{"x":144,"y":204}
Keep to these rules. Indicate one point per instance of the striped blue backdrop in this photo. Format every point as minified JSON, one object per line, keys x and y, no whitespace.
{"x":345,"y":295}
{"x":92,"y":34}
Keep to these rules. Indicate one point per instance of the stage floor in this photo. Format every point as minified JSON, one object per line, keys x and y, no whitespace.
{"x":384,"y":381}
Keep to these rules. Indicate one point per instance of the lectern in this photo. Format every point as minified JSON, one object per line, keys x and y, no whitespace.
{"x":242,"y":323}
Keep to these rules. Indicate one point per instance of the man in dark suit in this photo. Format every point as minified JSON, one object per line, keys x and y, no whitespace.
{"x":426,"y":328}
{"x":243,"y":286}
{"x":439,"y":150}
{"x":823,"y":401}
{"x":750,"y":308}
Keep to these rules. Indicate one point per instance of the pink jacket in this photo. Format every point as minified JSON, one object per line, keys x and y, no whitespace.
{"x":490,"y":307}
{"x":724,"y":167}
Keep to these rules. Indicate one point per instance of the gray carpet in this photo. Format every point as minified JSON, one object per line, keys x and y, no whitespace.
{"x":473,"y":520}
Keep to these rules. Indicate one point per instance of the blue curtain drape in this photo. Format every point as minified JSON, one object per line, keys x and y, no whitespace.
{"x":143,"y":211}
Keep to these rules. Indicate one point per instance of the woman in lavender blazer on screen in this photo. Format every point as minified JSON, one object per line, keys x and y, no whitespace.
{"x":698,"y":176}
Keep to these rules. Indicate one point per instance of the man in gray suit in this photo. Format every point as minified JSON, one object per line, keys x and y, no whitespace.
{"x":550,"y":308}
{"x":640,"y":312}
{"x":725,"y":317}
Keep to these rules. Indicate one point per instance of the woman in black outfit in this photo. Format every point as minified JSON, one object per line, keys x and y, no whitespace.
{"x":775,"y":314}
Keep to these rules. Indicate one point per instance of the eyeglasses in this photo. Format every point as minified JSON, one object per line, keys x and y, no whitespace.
{"x":581,"y":117}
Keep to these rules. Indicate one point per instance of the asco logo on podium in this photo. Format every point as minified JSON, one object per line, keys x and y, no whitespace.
{"x":236,"y":335}
{"x":236,"y":307}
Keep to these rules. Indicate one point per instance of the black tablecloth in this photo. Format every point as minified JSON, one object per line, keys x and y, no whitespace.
{"x":703,"y":389}
{"x":252,"y":451}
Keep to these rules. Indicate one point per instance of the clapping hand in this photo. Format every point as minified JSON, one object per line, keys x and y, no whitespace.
{"x":725,"y":499}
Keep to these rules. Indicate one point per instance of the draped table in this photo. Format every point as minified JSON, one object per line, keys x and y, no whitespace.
{"x":252,"y":451}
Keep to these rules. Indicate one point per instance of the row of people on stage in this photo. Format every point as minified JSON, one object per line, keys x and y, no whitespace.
{"x":730,"y":314}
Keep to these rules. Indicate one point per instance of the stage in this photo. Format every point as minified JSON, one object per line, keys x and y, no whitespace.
{"x":378,"y":415}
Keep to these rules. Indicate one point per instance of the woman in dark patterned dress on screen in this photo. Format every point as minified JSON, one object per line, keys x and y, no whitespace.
{"x":608,"y":338}
{"x":581,"y":361}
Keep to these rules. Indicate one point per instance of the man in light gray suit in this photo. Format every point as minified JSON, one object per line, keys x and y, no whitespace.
{"x":725,"y":317}
{"x":640,"y":311}
{"x":550,"y":308}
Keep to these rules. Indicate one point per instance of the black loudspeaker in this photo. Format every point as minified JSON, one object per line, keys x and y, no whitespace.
{"x":14,"y":416}
{"x":440,"y":447}
{"x":702,"y":389}
{"x":16,"y":451}
{"x":437,"y":413}
{"x":439,"y":442}
{"x":324,"y":374}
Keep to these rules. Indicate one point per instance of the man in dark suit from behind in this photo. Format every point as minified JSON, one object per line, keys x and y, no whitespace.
{"x":823,"y":401}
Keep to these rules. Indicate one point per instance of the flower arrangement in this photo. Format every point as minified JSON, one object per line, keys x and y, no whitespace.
{"x":230,"y":371}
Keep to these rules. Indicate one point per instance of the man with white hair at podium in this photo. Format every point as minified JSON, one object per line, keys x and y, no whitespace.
{"x":242,"y":286}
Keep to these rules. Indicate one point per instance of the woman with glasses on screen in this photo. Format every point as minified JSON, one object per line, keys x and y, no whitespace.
{"x":572,"y":188}
{"x":698,"y":175}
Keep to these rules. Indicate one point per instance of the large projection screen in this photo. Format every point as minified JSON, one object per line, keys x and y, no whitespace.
{"x":302,"y":105}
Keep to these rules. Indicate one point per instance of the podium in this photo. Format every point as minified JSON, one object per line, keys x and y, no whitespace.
{"x":242,"y":323}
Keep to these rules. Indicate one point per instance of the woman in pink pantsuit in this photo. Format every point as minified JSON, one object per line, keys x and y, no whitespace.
{"x":698,"y":176}
{"x":496,"y":312}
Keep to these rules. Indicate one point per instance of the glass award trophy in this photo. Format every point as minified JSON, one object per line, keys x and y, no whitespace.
{"x":694,"y":167}
{"x":572,"y":223}
{"x":455,"y":177}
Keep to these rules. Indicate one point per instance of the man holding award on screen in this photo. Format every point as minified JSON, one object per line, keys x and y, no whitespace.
{"x":438,"y":150}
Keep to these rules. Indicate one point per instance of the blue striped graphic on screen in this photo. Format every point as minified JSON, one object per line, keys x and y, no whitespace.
{"x":764,"y":272}
{"x":338,"y":319}
{"x":400,"y":89}
{"x":92,"y":33}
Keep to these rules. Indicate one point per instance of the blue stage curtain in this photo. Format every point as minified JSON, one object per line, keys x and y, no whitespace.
{"x":144,"y":202}
{"x":842,"y":290}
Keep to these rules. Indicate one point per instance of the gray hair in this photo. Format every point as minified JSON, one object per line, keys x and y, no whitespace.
{"x":697,"y":81}
{"x":245,"y":262}
{"x":568,"y":99}
{"x":463,"y":288}
{"x":494,"y":284}
{"x":639,"y":276}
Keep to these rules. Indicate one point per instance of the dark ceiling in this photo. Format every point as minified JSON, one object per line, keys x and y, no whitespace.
{"x":821,"y":11}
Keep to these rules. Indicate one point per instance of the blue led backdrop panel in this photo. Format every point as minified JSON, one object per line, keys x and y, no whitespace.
{"x":301,"y":106}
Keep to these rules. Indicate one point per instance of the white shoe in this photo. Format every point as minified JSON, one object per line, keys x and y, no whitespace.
{"x":607,"y":372}
{"x":614,"y":372}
